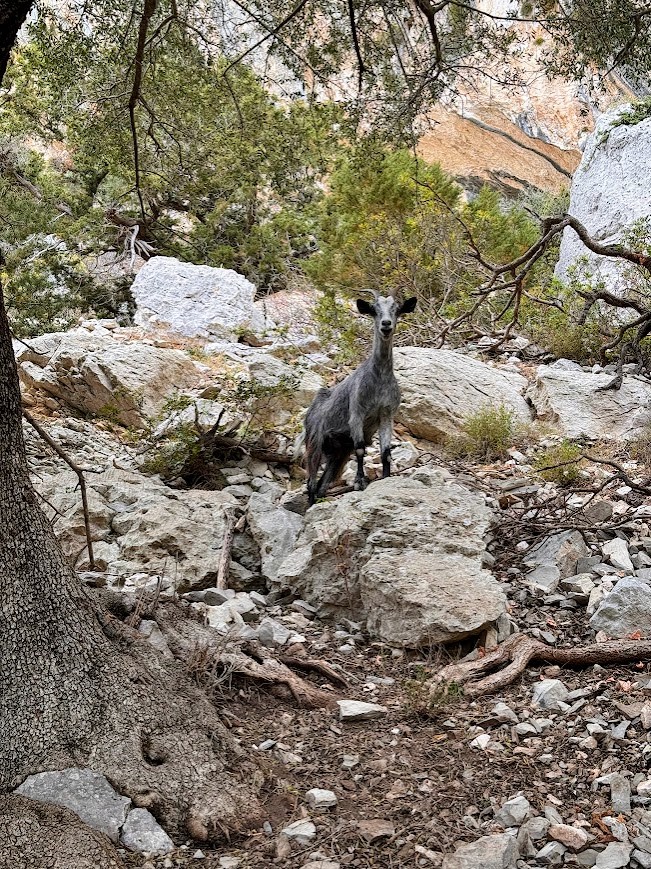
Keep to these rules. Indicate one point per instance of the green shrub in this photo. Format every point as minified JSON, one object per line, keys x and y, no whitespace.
{"x":487,"y":434}
{"x":560,"y":464}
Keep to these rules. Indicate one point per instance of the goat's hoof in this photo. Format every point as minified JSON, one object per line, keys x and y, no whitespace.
{"x":360,"y":484}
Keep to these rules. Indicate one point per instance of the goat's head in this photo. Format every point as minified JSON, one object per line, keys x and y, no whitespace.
{"x":385,"y":312}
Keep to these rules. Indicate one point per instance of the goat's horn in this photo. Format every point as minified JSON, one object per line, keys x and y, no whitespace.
{"x":375,"y":293}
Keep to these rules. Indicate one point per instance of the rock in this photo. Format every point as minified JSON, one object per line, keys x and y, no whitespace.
{"x":349,"y":761}
{"x":598,"y":511}
{"x":536,"y":828}
{"x":572,"y":837}
{"x":195,"y":301}
{"x":551,"y":854}
{"x":548,"y":693}
{"x":358,"y":710}
{"x":141,"y":832}
{"x":572,"y":402}
{"x":442,"y":388}
{"x":375,"y":829}
{"x":554,"y":558}
{"x":227,"y":862}
{"x":615,"y":157}
{"x":105,"y":374}
{"x":643,"y":858}
{"x":88,"y":794}
{"x":616,"y":551}
{"x":317,"y":798}
{"x":275,"y":530}
{"x":620,"y":792}
{"x":615,"y":856}
{"x":514,"y":812}
{"x":504,"y":713}
{"x":272,"y":633}
{"x":625,"y":610}
{"x":302,"y":831}
{"x":394,"y":558}
{"x":645,"y":716}
{"x":156,"y":531}
{"x":579,"y":586}
{"x":489,"y":852}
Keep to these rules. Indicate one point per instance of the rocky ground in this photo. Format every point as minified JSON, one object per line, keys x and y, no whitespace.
{"x":550,"y":771}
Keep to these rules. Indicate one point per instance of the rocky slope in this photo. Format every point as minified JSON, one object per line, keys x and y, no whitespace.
{"x":551,"y":772}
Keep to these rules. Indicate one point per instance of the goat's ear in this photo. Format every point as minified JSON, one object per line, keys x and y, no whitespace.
{"x":408,"y":306}
{"x":366,"y":308}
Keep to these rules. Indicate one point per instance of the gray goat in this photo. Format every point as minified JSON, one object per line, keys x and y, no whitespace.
{"x":344,"y":418}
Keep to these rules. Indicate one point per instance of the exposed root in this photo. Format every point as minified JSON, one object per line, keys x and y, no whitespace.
{"x":512,"y":657}
{"x":212,"y":660}
{"x":271,"y":671}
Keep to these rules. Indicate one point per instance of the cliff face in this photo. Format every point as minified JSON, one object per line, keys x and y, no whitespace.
{"x":529,"y":133}
{"x":610,"y":195}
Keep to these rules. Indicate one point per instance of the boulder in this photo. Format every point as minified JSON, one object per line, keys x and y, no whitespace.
{"x":150,"y":530}
{"x":142,"y":832}
{"x":570,"y":400}
{"x":553,"y":559}
{"x":275,"y":530}
{"x":195,"y":301}
{"x":105,"y":373}
{"x":85,"y":792}
{"x":607,"y":197}
{"x":626,"y":610}
{"x":442,"y":388}
{"x":489,"y":852}
{"x":404,"y":557}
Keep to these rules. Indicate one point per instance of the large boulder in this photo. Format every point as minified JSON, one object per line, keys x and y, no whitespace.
{"x":275,"y":530}
{"x":442,"y":388}
{"x":142,"y":528}
{"x":626,"y":610}
{"x":404,"y":557}
{"x":575,"y":403}
{"x":608,"y":196}
{"x":105,"y":373}
{"x":195,"y":301}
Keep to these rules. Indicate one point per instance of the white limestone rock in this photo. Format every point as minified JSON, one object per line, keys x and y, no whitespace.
{"x":608,"y":197}
{"x":404,"y":557}
{"x":195,"y":301}
{"x":441,"y":388}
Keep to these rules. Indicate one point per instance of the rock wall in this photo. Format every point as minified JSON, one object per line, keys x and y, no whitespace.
{"x":610,"y":192}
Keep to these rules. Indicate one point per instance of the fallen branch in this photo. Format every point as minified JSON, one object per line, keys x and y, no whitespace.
{"x":512,"y":657}
{"x":80,"y":476}
{"x":233,"y":524}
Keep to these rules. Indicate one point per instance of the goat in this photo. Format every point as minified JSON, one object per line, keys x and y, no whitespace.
{"x":345,"y":418}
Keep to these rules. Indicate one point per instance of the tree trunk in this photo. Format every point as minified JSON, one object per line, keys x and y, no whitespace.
{"x":70,"y":695}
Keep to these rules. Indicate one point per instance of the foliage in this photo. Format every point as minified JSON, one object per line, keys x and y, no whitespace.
{"x":425,"y":701}
{"x":226,"y":174}
{"x":173,"y":452}
{"x":638,"y":111}
{"x":559,"y":464}
{"x":487,"y":434}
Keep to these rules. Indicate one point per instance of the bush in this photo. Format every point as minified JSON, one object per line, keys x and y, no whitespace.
{"x":560,"y":464}
{"x":487,"y":434}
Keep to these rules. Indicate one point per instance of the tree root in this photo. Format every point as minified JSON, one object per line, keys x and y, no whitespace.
{"x":512,"y":657}
{"x":270,"y":670}
{"x":211,"y":662}
{"x":38,"y":834}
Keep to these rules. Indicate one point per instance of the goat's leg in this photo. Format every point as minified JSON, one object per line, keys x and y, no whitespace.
{"x":357,"y":434}
{"x":312,"y":465}
{"x":334,"y":467}
{"x":386,"y":435}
